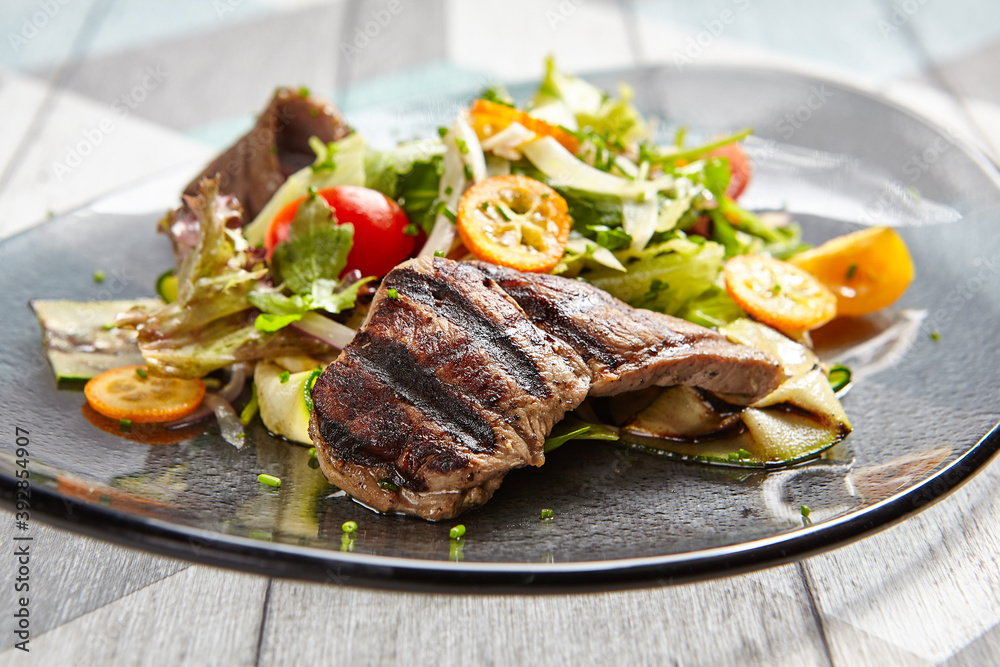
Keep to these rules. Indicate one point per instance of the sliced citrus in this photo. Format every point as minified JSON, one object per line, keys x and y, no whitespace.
{"x":488,"y":118}
{"x":131,"y":393}
{"x":866,"y":270}
{"x":514,"y":221}
{"x":779,"y":294}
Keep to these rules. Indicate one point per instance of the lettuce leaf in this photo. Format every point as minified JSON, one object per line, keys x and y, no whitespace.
{"x":210,"y":324}
{"x":409,"y":174}
{"x":677,"y":277}
{"x":316,"y":248}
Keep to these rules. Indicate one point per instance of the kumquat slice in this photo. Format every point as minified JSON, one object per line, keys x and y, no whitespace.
{"x":514,"y":221}
{"x":130,"y":393}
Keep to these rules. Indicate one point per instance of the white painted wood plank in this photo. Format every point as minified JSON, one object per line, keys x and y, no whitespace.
{"x":84,"y":150}
{"x":21,"y":99}
{"x":927,"y":587}
{"x":73,"y":575}
{"x":202,"y":616}
{"x":509,"y":39}
{"x":756,"y":619}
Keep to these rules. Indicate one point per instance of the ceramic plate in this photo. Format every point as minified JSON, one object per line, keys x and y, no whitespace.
{"x":836,"y":158}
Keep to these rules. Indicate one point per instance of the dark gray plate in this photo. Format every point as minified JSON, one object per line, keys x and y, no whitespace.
{"x":924,"y":412}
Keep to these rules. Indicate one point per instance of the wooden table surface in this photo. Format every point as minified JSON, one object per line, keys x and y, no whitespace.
{"x":178,"y":80}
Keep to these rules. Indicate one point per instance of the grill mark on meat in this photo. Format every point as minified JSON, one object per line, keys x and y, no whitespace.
{"x":399,"y":370}
{"x":449,"y":302}
{"x":559,"y":319}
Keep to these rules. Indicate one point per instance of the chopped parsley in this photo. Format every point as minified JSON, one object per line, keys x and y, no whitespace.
{"x":392,"y":293}
{"x":283,"y":377}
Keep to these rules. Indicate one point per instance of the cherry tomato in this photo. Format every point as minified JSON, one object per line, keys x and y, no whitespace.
{"x":739,"y":168}
{"x":380,"y":239}
{"x":867,"y":270}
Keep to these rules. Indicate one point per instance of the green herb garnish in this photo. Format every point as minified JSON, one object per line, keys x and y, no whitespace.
{"x":546,"y":514}
{"x":456,"y":532}
{"x":269,"y":480}
{"x":283,"y":377}
{"x":350,"y":527}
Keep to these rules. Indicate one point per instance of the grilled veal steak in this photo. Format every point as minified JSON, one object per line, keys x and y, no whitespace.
{"x":255,"y":166}
{"x":443,"y":391}
{"x":461,"y":376}
{"x":630,"y":348}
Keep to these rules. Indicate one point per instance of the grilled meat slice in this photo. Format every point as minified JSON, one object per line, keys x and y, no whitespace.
{"x":255,"y":166}
{"x":446,"y":388}
{"x":629,"y":348}
{"x":459,"y":378}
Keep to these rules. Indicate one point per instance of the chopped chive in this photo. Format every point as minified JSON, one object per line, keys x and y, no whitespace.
{"x":307,"y":388}
{"x":349,"y":527}
{"x":851,"y":270}
{"x":776,"y":290}
{"x":839,"y":377}
{"x":109,"y":326}
{"x":485,"y":206}
{"x":463,"y":147}
{"x":311,"y":191}
{"x":312,"y":452}
{"x":442,"y":131}
{"x":125,"y":425}
{"x":805,"y":510}
{"x":467,"y":170}
{"x":439,"y":253}
{"x":269,"y":480}
{"x":935,"y":336}
{"x":411,"y":230}
{"x":448,"y":190}
{"x":392,"y":293}
{"x":546,"y":514}
{"x":283,"y":377}
{"x":99,"y":276}
{"x":545,"y":195}
{"x":503,"y":210}
{"x":744,"y":454}
{"x":387,"y":485}
{"x":733,"y":456}
{"x":303,"y":92}
{"x":251,"y":408}
{"x":141,"y":372}
{"x":456,"y":532}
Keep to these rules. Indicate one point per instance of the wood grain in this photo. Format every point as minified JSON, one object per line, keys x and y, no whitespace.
{"x":200,"y":616}
{"x":750,"y":619}
{"x":72,"y":575}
